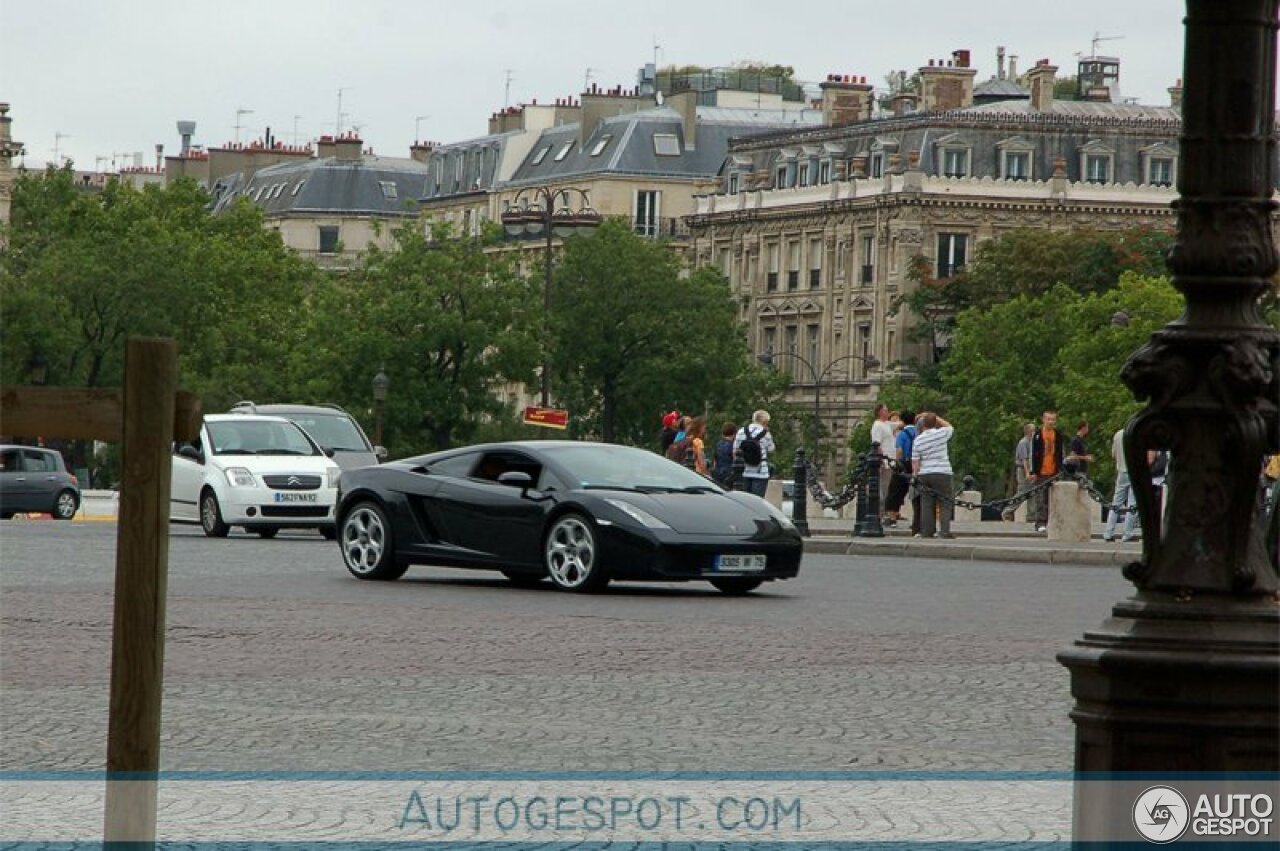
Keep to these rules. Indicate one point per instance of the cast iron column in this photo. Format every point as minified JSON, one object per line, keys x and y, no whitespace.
{"x":868,"y":525}
{"x":1185,"y":675}
{"x":800,"y":497}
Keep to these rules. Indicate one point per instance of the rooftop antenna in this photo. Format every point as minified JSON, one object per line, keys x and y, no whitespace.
{"x":1097,"y":37}
{"x":506,"y":95}
{"x":657,"y":48}
{"x":240,"y":113}
{"x":586,"y":80}
{"x":417,"y":127}
{"x":337,"y":126}
{"x":58,"y":136}
{"x":295,"y":130}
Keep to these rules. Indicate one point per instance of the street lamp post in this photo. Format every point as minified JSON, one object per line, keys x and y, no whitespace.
{"x":380,"y":384}
{"x":533,"y":212}
{"x":767,"y":358}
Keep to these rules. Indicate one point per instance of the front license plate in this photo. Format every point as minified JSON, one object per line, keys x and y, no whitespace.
{"x":739,"y":563}
{"x":295,"y":497}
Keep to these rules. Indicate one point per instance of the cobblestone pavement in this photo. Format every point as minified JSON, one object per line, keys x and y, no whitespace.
{"x":278,"y":660}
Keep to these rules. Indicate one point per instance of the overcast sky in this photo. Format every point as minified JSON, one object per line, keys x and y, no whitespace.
{"x":112,"y":76}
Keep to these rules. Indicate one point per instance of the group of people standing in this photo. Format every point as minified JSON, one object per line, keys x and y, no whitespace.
{"x":916,"y":450}
{"x":683,"y":437}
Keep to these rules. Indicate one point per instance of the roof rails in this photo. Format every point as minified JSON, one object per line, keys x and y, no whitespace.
{"x":247,"y":406}
{"x":333,"y":406}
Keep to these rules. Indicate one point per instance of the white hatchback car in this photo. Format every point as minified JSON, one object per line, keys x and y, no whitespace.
{"x":262,"y":473}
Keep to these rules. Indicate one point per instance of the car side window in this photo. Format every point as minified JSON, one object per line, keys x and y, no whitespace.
{"x":494,"y":464}
{"x":11,"y":461}
{"x":40,"y":462}
{"x":457,"y":466}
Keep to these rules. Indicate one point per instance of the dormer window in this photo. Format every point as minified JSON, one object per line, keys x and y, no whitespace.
{"x":955,"y":162}
{"x":1097,"y":162}
{"x":666,"y":145}
{"x":877,"y":164}
{"x":1159,"y":164}
{"x":564,"y":151}
{"x":824,"y":172}
{"x":733,"y":183}
{"x":601,"y":145}
{"x":1016,"y":158}
{"x":780,"y":177}
{"x":1160,"y":171}
{"x":388,"y":189}
{"x":541,"y":155}
{"x":802,"y":176}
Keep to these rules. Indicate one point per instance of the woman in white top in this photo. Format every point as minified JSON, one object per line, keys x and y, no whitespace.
{"x":932,"y":466}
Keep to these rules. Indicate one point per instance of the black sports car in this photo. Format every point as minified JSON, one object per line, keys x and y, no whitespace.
{"x":578,"y":513}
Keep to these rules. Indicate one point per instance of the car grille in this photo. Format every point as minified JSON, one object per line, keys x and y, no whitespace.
{"x":295,"y":510}
{"x":292,"y":482}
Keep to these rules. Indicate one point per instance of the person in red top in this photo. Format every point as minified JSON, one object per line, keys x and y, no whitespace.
{"x":1046,"y":462}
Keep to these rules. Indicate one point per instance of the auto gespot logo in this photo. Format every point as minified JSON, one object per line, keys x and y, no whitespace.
{"x":1161,"y":814}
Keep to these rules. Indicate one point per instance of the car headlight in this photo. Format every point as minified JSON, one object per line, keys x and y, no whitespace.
{"x":240,"y":477}
{"x":335,"y":473}
{"x":780,"y":514}
{"x":639,"y":515}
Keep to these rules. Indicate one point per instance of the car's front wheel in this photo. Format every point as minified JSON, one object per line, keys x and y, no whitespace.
{"x":211,"y":516}
{"x":65,"y":505}
{"x":735,"y":587}
{"x":366,"y":541}
{"x":572,"y":556}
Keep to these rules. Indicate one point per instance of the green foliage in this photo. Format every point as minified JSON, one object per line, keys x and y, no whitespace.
{"x":633,"y":336}
{"x":448,"y":321}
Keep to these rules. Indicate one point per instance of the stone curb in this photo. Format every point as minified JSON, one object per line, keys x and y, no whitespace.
{"x":1047,"y":553}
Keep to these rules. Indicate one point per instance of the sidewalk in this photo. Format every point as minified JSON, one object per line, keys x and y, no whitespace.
{"x":988,"y":541}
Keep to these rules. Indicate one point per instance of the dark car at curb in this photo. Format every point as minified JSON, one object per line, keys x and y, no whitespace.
{"x":35,"y":480}
{"x":582,"y":514}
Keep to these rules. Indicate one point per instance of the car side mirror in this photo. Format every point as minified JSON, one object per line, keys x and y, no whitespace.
{"x":516,"y":479}
{"x":188,"y":451}
{"x":380,"y":452}
{"x":328,"y":451}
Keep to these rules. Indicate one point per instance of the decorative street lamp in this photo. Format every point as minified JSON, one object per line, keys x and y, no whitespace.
{"x":380,"y":384}
{"x":1184,"y":676}
{"x":38,"y":370}
{"x":538,"y":211}
{"x":767,"y":358}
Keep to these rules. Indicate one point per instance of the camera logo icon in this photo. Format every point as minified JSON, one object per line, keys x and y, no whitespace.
{"x":1160,"y":814}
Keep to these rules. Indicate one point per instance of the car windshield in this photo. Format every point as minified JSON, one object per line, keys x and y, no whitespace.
{"x":626,"y":468}
{"x":333,"y":431}
{"x":259,"y":437}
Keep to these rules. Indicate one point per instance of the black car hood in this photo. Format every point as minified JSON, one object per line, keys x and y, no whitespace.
{"x":703,"y":513}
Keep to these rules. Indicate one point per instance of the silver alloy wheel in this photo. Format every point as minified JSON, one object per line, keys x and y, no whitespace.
{"x":64,"y":507}
{"x":209,"y":512}
{"x":364,"y":539}
{"x":570,"y":552}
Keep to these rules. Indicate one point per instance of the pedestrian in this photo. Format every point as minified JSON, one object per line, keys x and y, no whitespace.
{"x":901,"y":484}
{"x":694,"y":437}
{"x":1022,"y":464}
{"x":669,"y":422}
{"x":722,"y":462}
{"x":1047,"y":446}
{"x":882,"y":443}
{"x":931,"y":463}
{"x":1079,"y":458}
{"x":1123,"y":496}
{"x":754,"y":443}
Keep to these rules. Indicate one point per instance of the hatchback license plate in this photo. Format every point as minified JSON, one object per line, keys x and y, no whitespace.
{"x":295,"y":497}
{"x":739,"y":563}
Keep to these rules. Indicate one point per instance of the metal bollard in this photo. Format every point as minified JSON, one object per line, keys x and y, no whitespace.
{"x":800,"y":499}
{"x":738,"y":467}
{"x":868,"y":525}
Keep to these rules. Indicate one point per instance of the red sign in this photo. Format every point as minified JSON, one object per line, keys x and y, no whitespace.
{"x":546,"y":417}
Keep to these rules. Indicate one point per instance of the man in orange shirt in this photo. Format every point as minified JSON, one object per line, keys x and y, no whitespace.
{"x":1046,"y":462}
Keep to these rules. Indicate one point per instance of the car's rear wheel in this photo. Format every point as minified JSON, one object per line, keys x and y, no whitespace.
{"x":524,"y":580}
{"x":267,"y":531}
{"x":65,"y":504}
{"x":367,"y":547}
{"x":734,"y":586}
{"x":572,"y":556}
{"x":211,"y":516}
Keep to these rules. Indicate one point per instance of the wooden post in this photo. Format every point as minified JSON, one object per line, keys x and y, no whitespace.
{"x":142,"y":558}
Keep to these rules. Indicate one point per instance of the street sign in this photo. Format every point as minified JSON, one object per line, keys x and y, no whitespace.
{"x":546,"y":417}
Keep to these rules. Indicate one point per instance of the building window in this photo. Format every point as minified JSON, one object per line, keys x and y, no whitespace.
{"x":771,"y":253}
{"x":951,"y":253}
{"x":877,"y":164}
{"x":724,"y":261}
{"x":955,"y":162}
{"x":564,"y":151}
{"x":793,"y":347}
{"x":733,"y":183}
{"x":600,"y":146}
{"x":388,"y":189}
{"x":459,"y":162}
{"x":864,"y":345}
{"x":793,"y":264}
{"x":647,"y":210}
{"x":824,"y":172}
{"x":780,"y":178}
{"x":666,"y":145}
{"x":815,"y":263}
{"x":802,"y":175}
{"x":1097,"y":168}
{"x":770,"y":340}
{"x":1017,"y":165}
{"x":1160,"y":171}
{"x":541,"y":155}
{"x":328,"y":239}
{"x":868,"y":259}
{"x":815,"y":342}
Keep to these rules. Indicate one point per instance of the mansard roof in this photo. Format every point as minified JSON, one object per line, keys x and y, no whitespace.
{"x":379,"y":186}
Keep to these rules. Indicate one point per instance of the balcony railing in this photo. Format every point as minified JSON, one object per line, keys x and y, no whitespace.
{"x":669,"y":227}
{"x":868,"y":273}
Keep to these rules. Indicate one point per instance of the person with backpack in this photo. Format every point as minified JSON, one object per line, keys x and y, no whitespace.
{"x":754,"y":444}
{"x":722,"y":463}
{"x":900,"y":485}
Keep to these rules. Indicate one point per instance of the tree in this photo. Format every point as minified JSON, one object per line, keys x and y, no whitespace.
{"x":449,"y":321}
{"x":632,"y":336}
